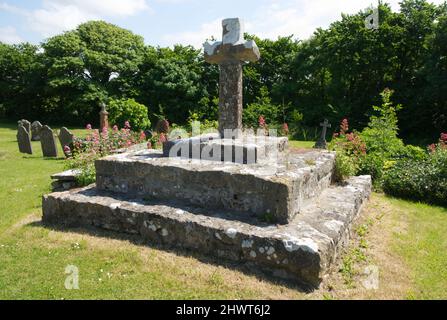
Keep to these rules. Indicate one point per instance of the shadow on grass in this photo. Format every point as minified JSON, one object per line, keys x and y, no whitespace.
{"x":416,"y":202}
{"x":137,"y":240}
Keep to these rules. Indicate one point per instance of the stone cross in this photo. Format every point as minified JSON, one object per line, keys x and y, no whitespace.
{"x":321,"y":143}
{"x":230,"y":54}
{"x":48,"y":143}
{"x":24,"y":141}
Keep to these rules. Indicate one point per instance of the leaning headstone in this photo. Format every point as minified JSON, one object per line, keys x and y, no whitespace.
{"x":24,"y":141}
{"x":321,"y":143}
{"x":26,"y":124}
{"x":49,"y":148}
{"x":36,"y":126}
{"x":65,"y":137}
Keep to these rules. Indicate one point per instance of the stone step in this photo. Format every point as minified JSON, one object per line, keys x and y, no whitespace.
{"x":279,"y":188}
{"x":302,"y":250}
{"x":249,"y":149}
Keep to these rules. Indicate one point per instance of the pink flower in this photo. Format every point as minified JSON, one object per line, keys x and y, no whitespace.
{"x":142,"y":136}
{"x":89,"y":127}
{"x":162,"y":138}
{"x":149,"y":145}
{"x":67,"y":149}
{"x":344,"y":126}
{"x":285,"y":128}
{"x":127,"y":125}
{"x":432,"y":148}
{"x":444,"y":137}
{"x":115,"y":128}
{"x":261,"y":121}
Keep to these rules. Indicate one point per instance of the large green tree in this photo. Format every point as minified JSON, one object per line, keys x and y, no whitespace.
{"x":91,"y":64}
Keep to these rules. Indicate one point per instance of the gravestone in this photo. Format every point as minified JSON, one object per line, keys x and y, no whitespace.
{"x":321,"y":143}
{"x":26,"y":124}
{"x":103,"y":117}
{"x":48,"y":143}
{"x":65,"y":137}
{"x":24,"y":141}
{"x":230,"y":54}
{"x":36,"y":126}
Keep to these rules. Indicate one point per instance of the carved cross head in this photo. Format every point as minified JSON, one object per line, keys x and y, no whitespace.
{"x":233,"y":47}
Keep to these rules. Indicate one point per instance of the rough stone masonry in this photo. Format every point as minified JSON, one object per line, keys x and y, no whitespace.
{"x":285,"y":217}
{"x":230,"y":54}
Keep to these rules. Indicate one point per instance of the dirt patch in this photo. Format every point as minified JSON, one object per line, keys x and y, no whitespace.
{"x":383,"y":221}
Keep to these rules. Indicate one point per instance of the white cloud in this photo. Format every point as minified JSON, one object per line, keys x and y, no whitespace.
{"x":282,"y":18}
{"x":9,"y":35}
{"x":196,"y":38}
{"x":56,"y":16}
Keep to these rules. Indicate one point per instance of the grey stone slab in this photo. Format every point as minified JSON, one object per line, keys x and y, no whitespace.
{"x":26,"y":124}
{"x":302,"y":250}
{"x":23,"y":139}
{"x":65,"y":137}
{"x":48,"y":142}
{"x":68,"y":175}
{"x":246,"y":150}
{"x":36,"y":126}
{"x":278,"y":189}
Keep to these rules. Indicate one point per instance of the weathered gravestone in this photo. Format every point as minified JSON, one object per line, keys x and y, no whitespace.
{"x":103,"y":117}
{"x":65,"y":137}
{"x":230,"y":54}
{"x":321,"y":143}
{"x":36,"y":126}
{"x":24,"y":141}
{"x":48,"y":142}
{"x":26,"y":124}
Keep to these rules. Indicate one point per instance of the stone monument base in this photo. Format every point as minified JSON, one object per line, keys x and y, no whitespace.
{"x":301,"y":251}
{"x":248,"y":149}
{"x":286,"y":217}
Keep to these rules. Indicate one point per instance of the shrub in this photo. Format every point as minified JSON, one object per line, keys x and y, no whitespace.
{"x":381,"y":139}
{"x":377,"y":148}
{"x":129,"y":110}
{"x":424,"y":180}
{"x":97,"y":145}
{"x":264,"y":107}
{"x":351,"y":151}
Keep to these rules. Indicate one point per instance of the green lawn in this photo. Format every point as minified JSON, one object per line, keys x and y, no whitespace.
{"x":407,"y":241}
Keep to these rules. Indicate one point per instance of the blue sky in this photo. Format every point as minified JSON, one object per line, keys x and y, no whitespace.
{"x":167,"y":22}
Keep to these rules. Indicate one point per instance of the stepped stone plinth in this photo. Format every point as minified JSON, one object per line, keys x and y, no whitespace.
{"x":277,"y":189}
{"x":239,"y":197}
{"x":301,"y":251}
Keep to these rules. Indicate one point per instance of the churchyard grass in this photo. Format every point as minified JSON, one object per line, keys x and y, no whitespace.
{"x":407,"y":241}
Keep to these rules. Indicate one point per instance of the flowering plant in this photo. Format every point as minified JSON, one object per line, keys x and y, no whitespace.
{"x":97,"y":144}
{"x":351,"y":150}
{"x":441,"y":145}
